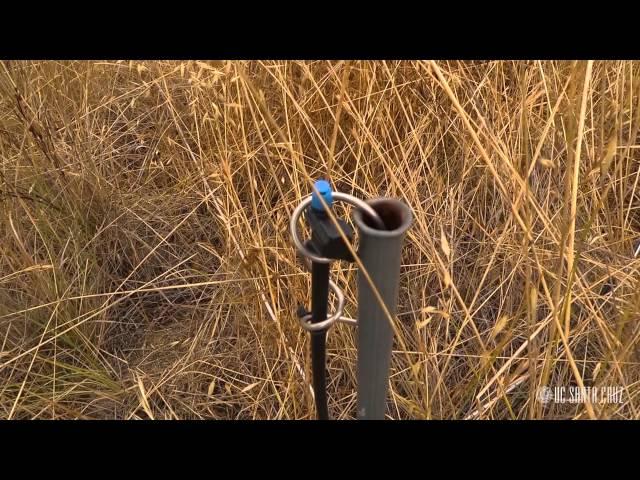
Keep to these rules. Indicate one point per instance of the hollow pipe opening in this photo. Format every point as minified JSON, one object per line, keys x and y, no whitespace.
{"x":395,"y":215}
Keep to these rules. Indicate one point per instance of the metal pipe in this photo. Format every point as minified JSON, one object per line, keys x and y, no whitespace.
{"x":380,"y":255}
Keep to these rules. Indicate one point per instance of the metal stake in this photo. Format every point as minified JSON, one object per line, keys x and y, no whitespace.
{"x":325,"y":245}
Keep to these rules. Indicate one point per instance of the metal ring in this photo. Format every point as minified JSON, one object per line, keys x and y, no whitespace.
{"x":304,"y":321}
{"x":345,"y":197}
{"x":325,"y":324}
{"x":348,"y":321}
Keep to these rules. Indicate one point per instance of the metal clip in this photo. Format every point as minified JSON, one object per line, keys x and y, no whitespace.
{"x":311,"y":256}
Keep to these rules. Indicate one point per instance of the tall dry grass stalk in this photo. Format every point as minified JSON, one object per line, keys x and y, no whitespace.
{"x":146,"y":269}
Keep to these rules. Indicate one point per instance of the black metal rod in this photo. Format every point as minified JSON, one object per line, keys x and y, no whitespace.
{"x":319,"y":300}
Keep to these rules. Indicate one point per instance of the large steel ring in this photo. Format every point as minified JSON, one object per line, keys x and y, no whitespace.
{"x":345,"y":197}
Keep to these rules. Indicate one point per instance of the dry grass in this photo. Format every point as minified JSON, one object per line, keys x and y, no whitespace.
{"x":146,"y":269}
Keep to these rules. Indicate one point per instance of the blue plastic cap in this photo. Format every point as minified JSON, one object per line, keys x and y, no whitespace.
{"x":323,"y":187}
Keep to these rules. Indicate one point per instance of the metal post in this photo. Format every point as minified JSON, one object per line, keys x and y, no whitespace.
{"x":380,"y":255}
{"x":327,"y":243}
{"x":319,"y":298}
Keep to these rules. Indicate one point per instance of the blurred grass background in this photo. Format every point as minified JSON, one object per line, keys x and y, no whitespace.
{"x":146,"y":269}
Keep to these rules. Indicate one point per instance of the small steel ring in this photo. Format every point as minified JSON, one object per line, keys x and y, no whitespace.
{"x":345,"y":197}
{"x":348,"y":321}
{"x":304,"y":321}
{"x":325,"y":324}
